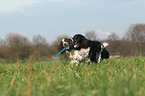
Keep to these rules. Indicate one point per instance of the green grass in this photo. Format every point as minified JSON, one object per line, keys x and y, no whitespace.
{"x":113,"y":77}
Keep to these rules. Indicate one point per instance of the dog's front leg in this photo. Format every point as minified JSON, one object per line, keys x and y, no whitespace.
{"x":69,"y":53}
{"x":100,"y":52}
{"x":74,"y":62}
{"x":92,"y":55}
{"x":99,"y":58}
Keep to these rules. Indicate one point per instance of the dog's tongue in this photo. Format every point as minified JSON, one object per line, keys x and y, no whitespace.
{"x":67,"y":47}
{"x":75,"y":46}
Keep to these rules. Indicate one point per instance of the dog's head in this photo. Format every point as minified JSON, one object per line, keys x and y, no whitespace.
{"x":64,"y":42}
{"x":79,"y":41}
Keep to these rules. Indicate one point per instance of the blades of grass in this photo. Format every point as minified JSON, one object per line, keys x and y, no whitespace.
{"x":29,"y":85}
{"x":29,"y":64}
{"x":14,"y":76}
{"x":50,"y":76}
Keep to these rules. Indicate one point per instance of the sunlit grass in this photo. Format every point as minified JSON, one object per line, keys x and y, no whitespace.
{"x":113,"y":77}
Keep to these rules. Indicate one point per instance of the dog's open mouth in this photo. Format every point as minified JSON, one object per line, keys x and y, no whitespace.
{"x":66,"y":45}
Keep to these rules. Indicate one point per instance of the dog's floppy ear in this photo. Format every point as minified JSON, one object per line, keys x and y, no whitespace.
{"x":70,"y":41}
{"x":60,"y":47}
{"x":84,"y":41}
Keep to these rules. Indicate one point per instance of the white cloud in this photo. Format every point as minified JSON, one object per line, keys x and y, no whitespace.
{"x":103,"y":33}
{"x":7,"y":6}
{"x":67,"y":3}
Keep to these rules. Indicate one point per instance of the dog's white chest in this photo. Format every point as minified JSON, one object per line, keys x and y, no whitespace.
{"x":80,"y":55}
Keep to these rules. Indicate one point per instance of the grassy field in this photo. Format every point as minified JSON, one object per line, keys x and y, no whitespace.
{"x":113,"y":77}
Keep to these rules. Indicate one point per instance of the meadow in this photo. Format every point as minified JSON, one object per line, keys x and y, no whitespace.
{"x":112,"y":77}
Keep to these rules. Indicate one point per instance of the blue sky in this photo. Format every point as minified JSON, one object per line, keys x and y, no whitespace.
{"x":53,"y":18}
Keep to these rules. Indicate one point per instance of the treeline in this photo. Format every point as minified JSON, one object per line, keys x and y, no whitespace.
{"x":132,"y":44}
{"x":16,"y":46}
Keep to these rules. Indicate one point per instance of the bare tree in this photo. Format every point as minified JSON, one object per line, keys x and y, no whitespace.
{"x":91,"y":35}
{"x":18,"y":46}
{"x":40,"y":47}
{"x":39,"y":40}
{"x":3,"y":49}
{"x":113,"y":44}
{"x":113,"y":37}
{"x":136,"y":33}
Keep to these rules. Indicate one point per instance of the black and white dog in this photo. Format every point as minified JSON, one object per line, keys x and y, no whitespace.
{"x":76,"y":56}
{"x":97,"y":51}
